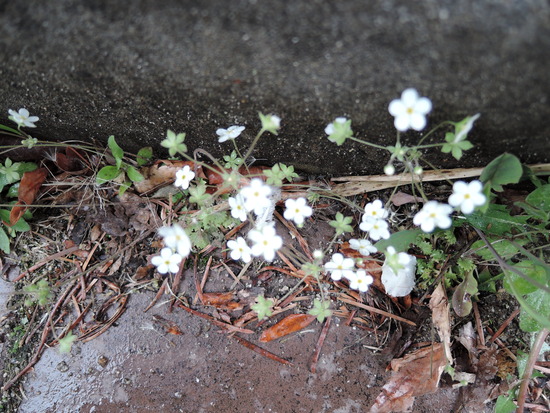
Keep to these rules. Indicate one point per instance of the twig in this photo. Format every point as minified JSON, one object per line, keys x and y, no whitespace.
{"x":322,"y":336}
{"x":46,"y":260}
{"x":504,"y":325}
{"x":228,"y":327}
{"x":261,"y":351}
{"x":479,"y":326}
{"x":535,"y":350}
{"x":157,"y":296}
{"x":376,"y":310}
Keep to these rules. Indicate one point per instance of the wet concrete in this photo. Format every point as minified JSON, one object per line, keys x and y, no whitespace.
{"x":137,"y":367}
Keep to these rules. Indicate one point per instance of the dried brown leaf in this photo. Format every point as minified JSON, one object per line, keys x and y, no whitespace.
{"x":289,"y":324}
{"x":28,"y":189}
{"x":441,"y":318}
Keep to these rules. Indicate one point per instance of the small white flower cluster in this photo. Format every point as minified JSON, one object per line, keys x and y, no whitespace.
{"x":340,"y":267}
{"x":22,"y":118}
{"x":258,"y":197}
{"x":177,"y":247}
{"x":230,"y":133}
{"x":465,"y":197}
{"x":374,"y":221}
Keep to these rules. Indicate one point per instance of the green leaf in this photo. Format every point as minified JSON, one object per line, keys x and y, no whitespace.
{"x":506,"y":169}
{"x":535,"y":310}
{"x":462,"y":297}
{"x":503,"y":247}
{"x":13,"y":191}
{"x":263,"y":307}
{"x":535,"y":213}
{"x":540,"y":198}
{"x":198,"y":194}
{"x":26,"y":167}
{"x":124,"y":187}
{"x":521,"y":285}
{"x":341,"y":224}
{"x":21,"y":226}
{"x":320,"y":310}
{"x":133,"y":174}
{"x":497,"y":220}
{"x":116,"y":150}
{"x":107,"y":173}
{"x":505,"y":404}
{"x":66,"y":343}
{"x":144,"y":155}
{"x":399,"y":240}
{"x":8,"y":129}
{"x":4,"y":241}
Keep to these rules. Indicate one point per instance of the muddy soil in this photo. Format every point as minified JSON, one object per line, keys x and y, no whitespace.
{"x":137,"y":367}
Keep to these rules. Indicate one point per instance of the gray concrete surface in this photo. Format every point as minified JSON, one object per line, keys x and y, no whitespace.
{"x":92,"y":68}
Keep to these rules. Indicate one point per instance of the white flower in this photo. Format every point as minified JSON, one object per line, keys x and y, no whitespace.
{"x":270,"y":123}
{"x":398,"y":273}
{"x":377,"y":228}
{"x":176,"y":238}
{"x":230,"y":133}
{"x":239,"y":249}
{"x":256,"y":196}
{"x":361,"y":281}
{"x":237,"y":207}
{"x":467,"y":196}
{"x":297,"y":209}
{"x":329,"y":130}
{"x":364,"y":246}
{"x":466,"y":128}
{"x":410,"y":111}
{"x":432,"y":215}
{"x":183,"y":177}
{"x":375,"y":210}
{"x":266,"y":241}
{"x":167,"y":261}
{"x":23,"y":118}
{"x":340,"y":267}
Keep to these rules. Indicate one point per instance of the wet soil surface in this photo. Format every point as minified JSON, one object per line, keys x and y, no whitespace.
{"x":137,"y":367}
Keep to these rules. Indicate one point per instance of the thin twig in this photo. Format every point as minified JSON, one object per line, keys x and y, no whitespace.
{"x":533,"y":355}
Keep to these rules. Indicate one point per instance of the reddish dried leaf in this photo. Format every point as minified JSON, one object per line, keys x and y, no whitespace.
{"x":168,"y":325}
{"x":223,"y":301}
{"x":28,"y":189}
{"x":289,"y":324}
{"x":415,"y":374}
{"x":70,"y":161}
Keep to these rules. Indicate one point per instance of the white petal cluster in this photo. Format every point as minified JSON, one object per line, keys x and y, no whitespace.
{"x":184,"y":177}
{"x":467,"y":196}
{"x":433,"y":215}
{"x":297,"y":210}
{"x":23,"y":118}
{"x":176,"y":238}
{"x":374,"y":221}
{"x":410,"y":111}
{"x":340,"y":267}
{"x":364,"y":246}
{"x":398,"y":273}
{"x":239,"y":249}
{"x":266,"y":241}
{"x":167,"y":261}
{"x":230,"y":133}
{"x":256,"y":196}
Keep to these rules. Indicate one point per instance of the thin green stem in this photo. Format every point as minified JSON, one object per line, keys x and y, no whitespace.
{"x":369,"y":143}
{"x":434,"y":129}
{"x":253,"y":145}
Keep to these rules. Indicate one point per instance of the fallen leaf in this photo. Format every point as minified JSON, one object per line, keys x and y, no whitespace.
{"x":289,"y":324}
{"x":441,"y":319}
{"x":223,"y":301}
{"x":162,"y":173}
{"x":401,"y":198}
{"x":467,"y":337}
{"x":28,"y":189}
{"x":416,"y":374}
{"x":168,"y":325}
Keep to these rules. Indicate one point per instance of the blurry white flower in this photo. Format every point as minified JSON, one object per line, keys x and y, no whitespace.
{"x":297,"y":209}
{"x":270,"y":123}
{"x":377,"y":228}
{"x":389,"y":169}
{"x":230,"y":133}
{"x":23,"y":118}
{"x":361,"y":281}
{"x":364,"y":246}
{"x":433,"y":215}
{"x":183,"y":177}
{"x":266,"y":241}
{"x":375,"y":210}
{"x":256,"y":196}
{"x":176,"y":238}
{"x":466,"y":196}
{"x":340,"y":267}
{"x":239,"y":249}
{"x":410,"y":111}
{"x":398,"y":273}
{"x":238,"y":209}
{"x":167,"y":261}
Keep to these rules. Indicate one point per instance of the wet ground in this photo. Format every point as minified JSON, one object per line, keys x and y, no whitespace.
{"x":137,"y":367}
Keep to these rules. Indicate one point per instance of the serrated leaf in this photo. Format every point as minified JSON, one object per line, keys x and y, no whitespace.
{"x":144,"y":155}
{"x":4,"y":241}
{"x":133,"y":174}
{"x":535,"y":310}
{"x":116,"y":151}
{"x":521,"y":285}
{"x":540,"y":198}
{"x":497,"y":220}
{"x":462,"y":297}
{"x":399,"y":240}
{"x":505,"y":169}
{"x":107,"y":173}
